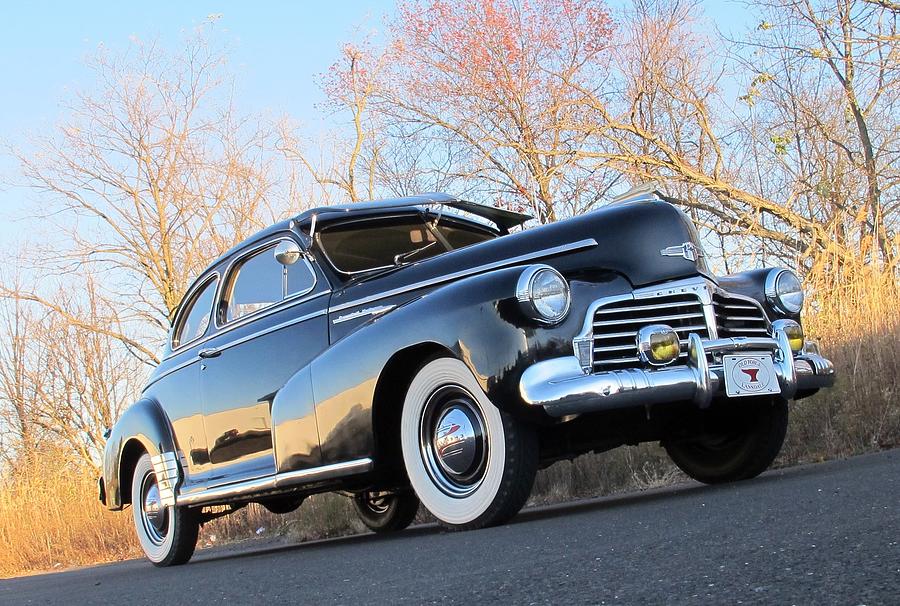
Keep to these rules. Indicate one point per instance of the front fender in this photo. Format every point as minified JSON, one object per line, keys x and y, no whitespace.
{"x":475,"y":319}
{"x":143,"y":427}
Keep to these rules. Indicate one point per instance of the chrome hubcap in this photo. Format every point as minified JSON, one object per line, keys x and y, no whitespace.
{"x":454,"y":442}
{"x":154,"y":516}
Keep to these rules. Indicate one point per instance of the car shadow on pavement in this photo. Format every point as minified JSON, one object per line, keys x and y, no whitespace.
{"x":528,"y":515}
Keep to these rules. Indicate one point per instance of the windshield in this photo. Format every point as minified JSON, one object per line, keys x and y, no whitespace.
{"x":363,"y":246}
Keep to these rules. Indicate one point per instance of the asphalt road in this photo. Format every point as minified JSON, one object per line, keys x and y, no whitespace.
{"x":818,"y":534}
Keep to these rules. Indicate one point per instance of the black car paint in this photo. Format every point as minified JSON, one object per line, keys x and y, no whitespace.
{"x":321,"y":377}
{"x":143,"y":427}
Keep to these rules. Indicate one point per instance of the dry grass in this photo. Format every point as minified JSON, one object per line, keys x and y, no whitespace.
{"x":50,"y":517}
{"x":857,"y":323}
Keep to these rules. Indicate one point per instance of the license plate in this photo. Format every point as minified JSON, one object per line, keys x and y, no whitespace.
{"x":750,"y":375}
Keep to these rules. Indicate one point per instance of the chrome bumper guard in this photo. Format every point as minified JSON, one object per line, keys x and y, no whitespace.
{"x":561,"y":387}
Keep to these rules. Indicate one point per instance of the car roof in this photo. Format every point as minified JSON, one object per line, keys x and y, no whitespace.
{"x":504,"y":219}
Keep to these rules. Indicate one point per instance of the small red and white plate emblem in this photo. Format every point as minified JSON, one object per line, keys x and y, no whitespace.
{"x":750,"y":375}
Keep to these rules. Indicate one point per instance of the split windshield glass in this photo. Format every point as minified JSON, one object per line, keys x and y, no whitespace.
{"x":371,"y":244}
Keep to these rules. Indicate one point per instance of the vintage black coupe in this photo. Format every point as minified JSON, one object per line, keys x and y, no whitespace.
{"x":414,"y":350}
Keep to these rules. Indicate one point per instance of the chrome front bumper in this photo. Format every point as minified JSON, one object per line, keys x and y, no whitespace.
{"x":561,"y":387}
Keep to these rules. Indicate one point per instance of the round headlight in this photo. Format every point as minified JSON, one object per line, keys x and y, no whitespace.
{"x":543,"y":294}
{"x":784,"y":291}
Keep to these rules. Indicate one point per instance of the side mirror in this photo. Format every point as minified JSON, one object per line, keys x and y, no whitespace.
{"x":287,"y":252}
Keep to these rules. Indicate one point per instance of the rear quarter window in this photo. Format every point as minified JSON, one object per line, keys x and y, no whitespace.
{"x":195,"y":320}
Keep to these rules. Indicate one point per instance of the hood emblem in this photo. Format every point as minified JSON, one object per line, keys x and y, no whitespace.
{"x":686,"y":250}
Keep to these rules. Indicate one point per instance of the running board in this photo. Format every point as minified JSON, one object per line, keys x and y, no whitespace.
{"x":282,"y":480}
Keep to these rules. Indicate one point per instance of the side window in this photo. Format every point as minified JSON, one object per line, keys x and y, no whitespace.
{"x":196,"y":319}
{"x":260,"y":281}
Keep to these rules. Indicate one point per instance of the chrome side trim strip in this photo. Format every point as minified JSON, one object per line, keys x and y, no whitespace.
{"x":325,"y":472}
{"x":243,"y":339}
{"x":228,"y":491}
{"x":184,"y":364}
{"x":538,"y":254}
{"x":369,"y":311}
{"x":266,"y":331}
{"x":285,"y":304}
{"x":291,"y":478}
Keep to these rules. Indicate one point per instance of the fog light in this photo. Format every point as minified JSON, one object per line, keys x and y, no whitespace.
{"x":658,"y":344}
{"x":793,"y":331}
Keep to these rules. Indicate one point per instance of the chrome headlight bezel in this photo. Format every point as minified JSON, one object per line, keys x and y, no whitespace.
{"x":778,"y":297}
{"x":532,"y":304}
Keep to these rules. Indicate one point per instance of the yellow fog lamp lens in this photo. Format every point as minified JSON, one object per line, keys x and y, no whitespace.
{"x":794,"y":333}
{"x":658,"y":344}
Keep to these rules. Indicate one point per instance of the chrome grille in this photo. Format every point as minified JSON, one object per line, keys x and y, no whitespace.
{"x":616,"y":326}
{"x":737,"y":317}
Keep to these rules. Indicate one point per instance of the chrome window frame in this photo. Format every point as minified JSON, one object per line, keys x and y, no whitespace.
{"x":234,"y":264}
{"x":181,"y":317}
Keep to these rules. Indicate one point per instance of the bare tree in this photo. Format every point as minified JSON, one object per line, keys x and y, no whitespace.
{"x":825,"y":88}
{"x":742,"y":174}
{"x":63,"y":384}
{"x":348,"y":166}
{"x":151,"y":176}
{"x":17,"y":422}
{"x":482,"y":76}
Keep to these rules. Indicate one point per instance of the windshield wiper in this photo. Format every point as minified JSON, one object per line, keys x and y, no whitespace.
{"x":399,"y":259}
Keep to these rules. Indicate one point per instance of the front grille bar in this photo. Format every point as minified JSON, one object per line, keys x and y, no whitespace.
{"x":688,"y":306}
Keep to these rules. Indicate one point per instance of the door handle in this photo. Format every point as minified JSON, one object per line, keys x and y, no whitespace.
{"x":212,"y":352}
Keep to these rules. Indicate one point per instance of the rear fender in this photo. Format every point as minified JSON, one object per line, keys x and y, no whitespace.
{"x":143,"y":427}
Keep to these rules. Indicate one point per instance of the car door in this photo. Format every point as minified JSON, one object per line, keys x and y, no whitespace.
{"x":272,"y":322}
{"x":176,"y":383}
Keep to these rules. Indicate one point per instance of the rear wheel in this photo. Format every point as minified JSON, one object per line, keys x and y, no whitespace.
{"x":470,"y":464}
{"x":386,"y":512}
{"x":735,"y":447}
{"x":168,"y":535}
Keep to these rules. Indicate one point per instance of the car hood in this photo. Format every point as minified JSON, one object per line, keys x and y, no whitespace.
{"x":629,"y":240}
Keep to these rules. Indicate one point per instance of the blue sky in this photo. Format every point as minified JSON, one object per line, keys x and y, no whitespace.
{"x":277,"y":49}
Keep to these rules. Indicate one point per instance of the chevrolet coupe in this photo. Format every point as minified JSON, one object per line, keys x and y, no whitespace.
{"x":428,"y":350}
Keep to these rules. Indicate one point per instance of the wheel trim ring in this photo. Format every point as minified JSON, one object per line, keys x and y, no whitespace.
{"x":437,"y":408}
{"x":156,"y":533}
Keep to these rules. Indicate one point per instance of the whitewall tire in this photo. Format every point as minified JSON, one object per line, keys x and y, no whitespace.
{"x":168,"y":535}
{"x":470,"y":464}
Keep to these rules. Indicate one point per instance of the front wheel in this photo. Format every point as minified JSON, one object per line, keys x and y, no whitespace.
{"x":470,"y":464}
{"x":736,"y":446}
{"x":386,"y":512}
{"x":168,"y":535}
